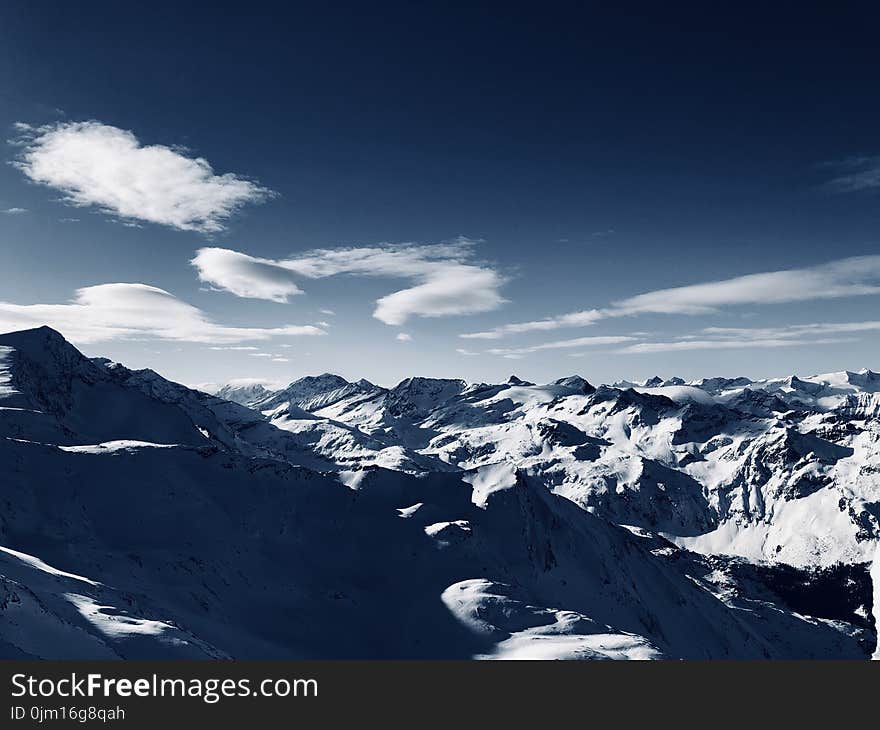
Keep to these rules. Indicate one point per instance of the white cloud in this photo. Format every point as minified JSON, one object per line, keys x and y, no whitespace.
{"x":328,"y":312}
{"x":243,"y":275}
{"x":465,"y":351}
{"x":573,"y":319}
{"x":561,"y":344}
{"x":856,"y":276}
{"x":795,"y":330}
{"x":134,"y":311}
{"x":270,"y":356}
{"x":14,"y":211}
{"x":850,"y":277}
{"x":94,"y":164}
{"x":683,"y":345}
{"x":732,"y":338}
{"x":710,"y":338}
{"x":447,"y":279}
{"x":235,"y":348}
{"x":450,"y":290}
{"x":403,"y":337}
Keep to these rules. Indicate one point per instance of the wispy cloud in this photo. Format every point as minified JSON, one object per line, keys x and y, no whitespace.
{"x":573,"y":319}
{"x":94,"y":164}
{"x":134,"y":311}
{"x":271,"y":357}
{"x":684,"y":345}
{"x":447,"y":280}
{"x":14,"y":211}
{"x":849,"y":277}
{"x":856,"y":276}
{"x":794,"y":330}
{"x":859,"y":173}
{"x":235,"y":348}
{"x":561,"y":345}
{"x":733,"y":338}
{"x":403,"y":337}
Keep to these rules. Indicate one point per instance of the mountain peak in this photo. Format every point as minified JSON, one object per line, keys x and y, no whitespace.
{"x":48,"y":358}
{"x":324,"y":379}
{"x":418,"y":395}
{"x":311,"y":392}
{"x":864,"y":378}
{"x":243,"y":394}
{"x":576,"y":382}
{"x":38,"y":338}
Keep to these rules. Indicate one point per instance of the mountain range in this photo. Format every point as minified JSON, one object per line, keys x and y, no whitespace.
{"x":720,"y":518}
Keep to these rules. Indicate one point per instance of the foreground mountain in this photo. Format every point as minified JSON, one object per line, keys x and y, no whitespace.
{"x":434,"y":519}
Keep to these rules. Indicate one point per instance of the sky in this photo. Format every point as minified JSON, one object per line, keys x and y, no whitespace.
{"x":273,"y":190}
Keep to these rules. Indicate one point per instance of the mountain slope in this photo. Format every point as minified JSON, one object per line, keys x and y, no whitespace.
{"x":364,"y":573}
{"x":435,"y":519}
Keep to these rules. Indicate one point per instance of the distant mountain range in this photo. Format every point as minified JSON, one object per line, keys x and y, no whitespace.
{"x":722,"y":518}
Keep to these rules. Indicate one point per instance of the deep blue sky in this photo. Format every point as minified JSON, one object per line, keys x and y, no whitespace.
{"x":596,"y":154}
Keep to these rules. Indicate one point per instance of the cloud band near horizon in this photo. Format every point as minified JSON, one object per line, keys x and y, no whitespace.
{"x":848,"y":277}
{"x":121,"y":311}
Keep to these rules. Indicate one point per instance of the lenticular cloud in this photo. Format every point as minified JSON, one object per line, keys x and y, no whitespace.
{"x":118,"y":311}
{"x":446,"y":278}
{"x":95,"y":164}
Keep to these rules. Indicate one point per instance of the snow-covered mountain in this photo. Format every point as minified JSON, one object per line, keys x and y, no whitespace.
{"x":438,"y":518}
{"x":244,"y":395}
{"x":785,"y":470}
